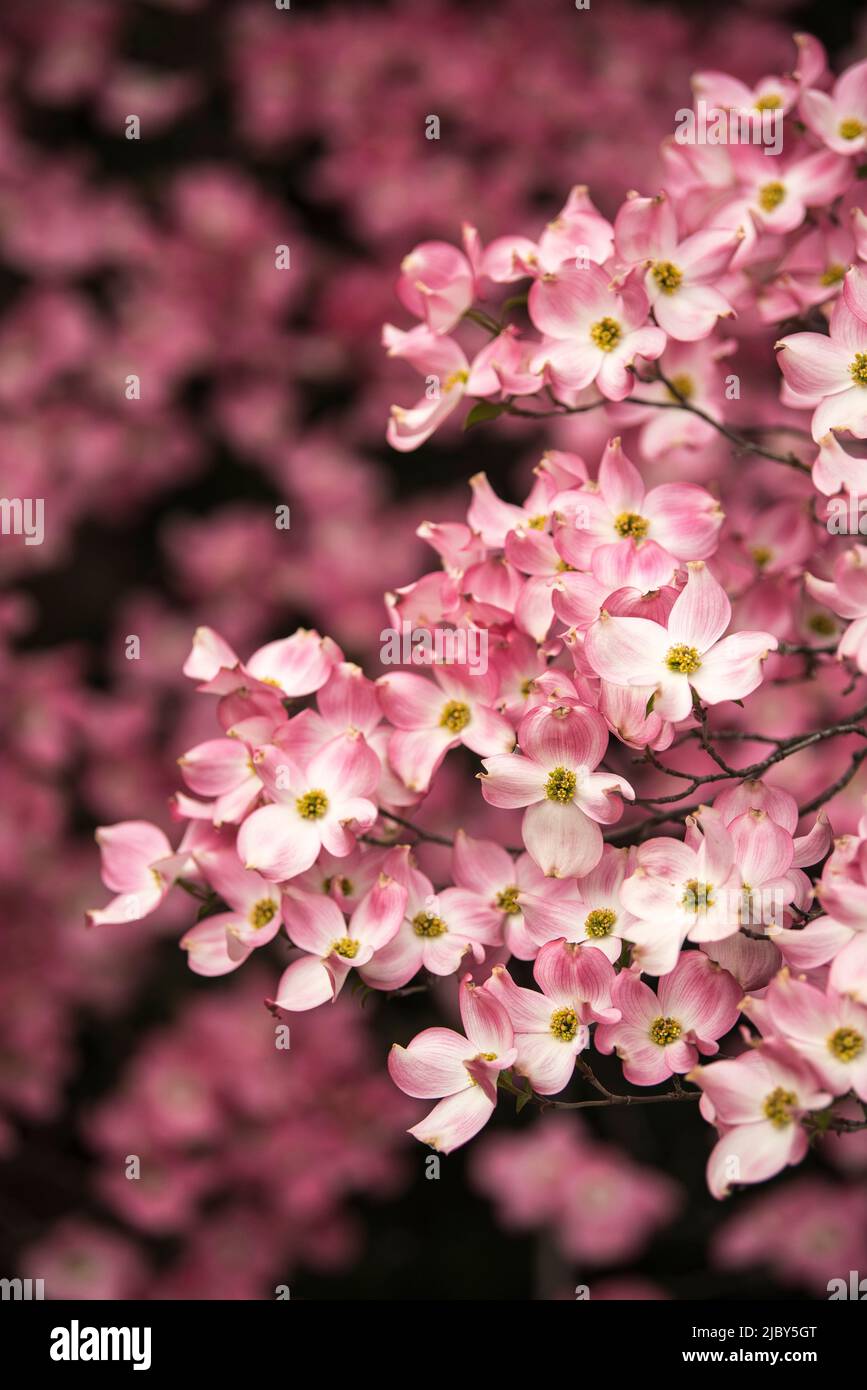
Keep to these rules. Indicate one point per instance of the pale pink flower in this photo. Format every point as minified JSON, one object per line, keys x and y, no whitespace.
{"x":436,"y":284}
{"x":221,"y":769}
{"x":554,"y":778}
{"x":757,"y":1101}
{"x":681,"y":273}
{"x":628,"y":536}
{"x":437,"y":930}
{"x":333,"y":945}
{"x":828,"y":1029}
{"x":722,"y":92}
{"x":671,"y":662}
{"x":842,"y":889}
{"x":579,"y":233}
{"x":591,"y":913}
{"x":462,"y":1069}
{"x":846,"y":595}
{"x":776,"y":190}
{"x":138,"y":865}
{"x":551,"y":1027}
{"x":505,"y":886}
{"x":323,"y":804}
{"x":679,"y":890}
{"x":430,"y":717}
{"x":492,"y":518}
{"x":449,"y":377}
{"x":839,"y":117}
{"x":221,"y":943}
{"x":662,"y":1033}
{"x":294,"y":666}
{"x":593,"y":332}
{"x":830,"y":373}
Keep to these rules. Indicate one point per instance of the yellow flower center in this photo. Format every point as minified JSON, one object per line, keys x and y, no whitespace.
{"x":770,"y":102}
{"x":771,"y":195}
{"x":846,"y":1044}
{"x":481,"y":1057}
{"x":697,"y":897}
{"x":561,"y":784}
{"x":778,"y":1107}
{"x":313,"y":805}
{"x":631,"y":524}
{"x":606,"y":334}
{"x":344,"y":884}
{"x":684,"y":387}
{"x":762,"y":555}
{"x":538,"y":523}
{"x":462,"y":376}
{"x":600,"y":922}
{"x":426,"y":924}
{"x":684,"y":660}
{"x":667,"y":276}
{"x":858,"y":369}
{"x":507,"y":901}
{"x":833,"y":275}
{"x":564,"y":1024}
{"x":822,"y":625}
{"x":664,"y":1031}
{"x":455,"y":716}
{"x":850,"y":129}
{"x":346,"y":947}
{"x":261,"y":913}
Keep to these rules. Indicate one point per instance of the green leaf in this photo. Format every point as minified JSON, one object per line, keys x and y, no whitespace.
{"x":648,"y":708}
{"x":484,"y":410}
{"x":522,"y":1102}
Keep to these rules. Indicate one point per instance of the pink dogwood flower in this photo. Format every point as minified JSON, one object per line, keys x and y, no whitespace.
{"x":846,"y":595}
{"x":430,"y":717}
{"x":220,"y":944}
{"x":436,"y":284}
{"x":554,"y":777}
{"x":591,"y":914}
{"x":578,"y":233}
{"x":628,"y":536}
{"x":294,"y":666}
{"x":826,"y":1028}
{"x":322,"y":804}
{"x":593,"y":332}
{"x":333,"y":945}
{"x":450,"y":377}
{"x":830,"y":373}
{"x":839,"y":118}
{"x":462,"y":1068}
{"x":139,"y":866}
{"x":492,"y":879}
{"x":436,"y":932}
{"x":551,"y":1027}
{"x":681,"y":273}
{"x":757,"y":1101}
{"x":663,"y":1032}
{"x":685,"y":656}
{"x":679,"y":890}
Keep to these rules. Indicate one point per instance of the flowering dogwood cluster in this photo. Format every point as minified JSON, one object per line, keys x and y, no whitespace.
{"x":628,"y":616}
